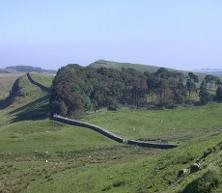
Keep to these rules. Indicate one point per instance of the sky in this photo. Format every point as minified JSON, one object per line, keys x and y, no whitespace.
{"x":182,"y":34}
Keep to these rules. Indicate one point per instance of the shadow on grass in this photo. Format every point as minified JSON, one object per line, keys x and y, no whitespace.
{"x":14,"y":92}
{"x":35,"y":110}
{"x":2,"y":104}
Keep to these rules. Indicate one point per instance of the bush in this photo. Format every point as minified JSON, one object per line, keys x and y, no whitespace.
{"x":184,"y":159}
{"x":113,"y":106}
{"x":205,"y":184}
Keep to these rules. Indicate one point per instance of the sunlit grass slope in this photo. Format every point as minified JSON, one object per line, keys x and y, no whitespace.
{"x":6,"y":81}
{"x":45,"y":79}
{"x":119,"y":66}
{"x":154,"y":173}
{"x":40,"y":155}
{"x":171,"y":124}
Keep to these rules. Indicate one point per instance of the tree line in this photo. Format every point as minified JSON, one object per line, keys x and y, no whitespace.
{"x":78,"y":89}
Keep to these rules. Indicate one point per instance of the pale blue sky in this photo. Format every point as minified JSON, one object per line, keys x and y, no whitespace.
{"x":184,"y":34}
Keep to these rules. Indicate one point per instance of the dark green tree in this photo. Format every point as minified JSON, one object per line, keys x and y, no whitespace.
{"x":192,"y":80}
{"x":211,"y":81}
{"x":204,"y":95}
{"x":219,"y":94}
{"x":218,"y":82}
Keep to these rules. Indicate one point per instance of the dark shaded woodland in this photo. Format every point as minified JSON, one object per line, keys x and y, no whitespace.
{"x":77,"y":89}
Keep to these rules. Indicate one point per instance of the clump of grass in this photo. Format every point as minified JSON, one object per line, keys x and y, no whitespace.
{"x":106,"y":188}
{"x":118,"y":183}
{"x":115,"y":184}
{"x":185,"y":158}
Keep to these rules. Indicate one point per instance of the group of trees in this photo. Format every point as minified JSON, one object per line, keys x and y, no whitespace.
{"x":165,"y":87}
{"x":171,"y":87}
{"x":207,"y":87}
{"x":77,"y":89}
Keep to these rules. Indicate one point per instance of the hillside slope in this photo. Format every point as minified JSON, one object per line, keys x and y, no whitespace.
{"x":142,"y":67}
{"x":32,"y":148}
{"x":119,"y":65}
{"x":6,"y":82}
{"x":40,"y":155}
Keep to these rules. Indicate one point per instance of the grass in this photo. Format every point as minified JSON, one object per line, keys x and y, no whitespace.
{"x":119,"y":66}
{"x":206,"y":183}
{"x":6,"y":81}
{"x":170,"y":124}
{"x":29,"y":136}
{"x":156,"y":173}
{"x":39,"y":155}
{"x":44,"y":79}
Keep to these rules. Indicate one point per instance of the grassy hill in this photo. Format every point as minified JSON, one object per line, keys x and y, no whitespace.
{"x":40,"y":155}
{"x":7,"y":79}
{"x":118,"y":65}
{"x":26,"y":136}
{"x":138,"y":67}
{"x":176,"y":125}
{"x":6,"y":82}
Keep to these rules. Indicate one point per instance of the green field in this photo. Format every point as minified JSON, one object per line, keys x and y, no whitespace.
{"x":167,"y":124}
{"x":45,"y":79}
{"x":40,"y":155}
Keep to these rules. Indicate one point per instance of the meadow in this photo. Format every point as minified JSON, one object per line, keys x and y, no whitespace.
{"x":170,"y":124}
{"x":41,"y":155}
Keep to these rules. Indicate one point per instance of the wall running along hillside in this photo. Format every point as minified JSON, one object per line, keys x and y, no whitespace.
{"x":111,"y":135}
{"x":101,"y":130}
{"x":44,"y":88}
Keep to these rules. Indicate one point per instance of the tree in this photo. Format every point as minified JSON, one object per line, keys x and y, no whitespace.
{"x":180,"y":93}
{"x":166,"y":87}
{"x":192,"y":79}
{"x":77,"y":89}
{"x":212,"y":80}
{"x":218,"y":82}
{"x":204,"y":95}
{"x":63,"y":108}
{"x":219,"y":94}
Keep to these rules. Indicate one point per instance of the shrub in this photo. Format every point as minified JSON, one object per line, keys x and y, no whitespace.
{"x":113,"y":106}
{"x":205,"y":184}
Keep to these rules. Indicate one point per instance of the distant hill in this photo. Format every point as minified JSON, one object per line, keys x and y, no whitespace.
{"x":3,"y":71}
{"x":26,"y":69}
{"x":143,"y":68}
{"x":118,"y":65}
{"x":210,"y":71}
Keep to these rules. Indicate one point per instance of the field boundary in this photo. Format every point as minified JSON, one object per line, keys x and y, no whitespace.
{"x":44,"y":88}
{"x":111,"y":135}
